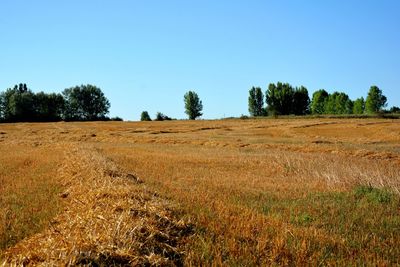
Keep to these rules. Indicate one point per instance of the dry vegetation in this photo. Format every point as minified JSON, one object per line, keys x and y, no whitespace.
{"x":251,"y":192}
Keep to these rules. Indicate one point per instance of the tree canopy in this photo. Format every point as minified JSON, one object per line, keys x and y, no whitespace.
{"x":318,"y":102}
{"x":161,"y":117}
{"x":376,"y":101}
{"x":283,"y":99}
{"x":88,"y":102}
{"x":359,"y":106}
{"x":338,"y":103}
{"x":256,"y":102}
{"x":193,"y":105}
{"x":301,"y":101}
{"x":145,"y":116}
{"x":394,"y":109}
{"x":21,"y":104}
{"x":85,"y":102}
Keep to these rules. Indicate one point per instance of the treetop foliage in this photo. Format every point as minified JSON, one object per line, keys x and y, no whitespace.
{"x":161,"y":117}
{"x":376,"y":101}
{"x":284,"y":99}
{"x":338,"y":103}
{"x":88,"y":103}
{"x":318,"y":102}
{"x":193,"y":105}
{"x":85,"y":102}
{"x":359,"y":106}
{"x":256,"y":102}
{"x":145,"y":116}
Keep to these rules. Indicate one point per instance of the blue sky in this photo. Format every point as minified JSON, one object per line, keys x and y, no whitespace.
{"x":146,"y":54}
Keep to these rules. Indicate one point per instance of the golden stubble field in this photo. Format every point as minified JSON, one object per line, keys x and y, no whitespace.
{"x":230,"y":192}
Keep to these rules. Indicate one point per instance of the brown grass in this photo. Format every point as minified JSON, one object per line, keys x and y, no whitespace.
{"x":28,"y":191}
{"x":109,"y":219}
{"x":258,"y":192}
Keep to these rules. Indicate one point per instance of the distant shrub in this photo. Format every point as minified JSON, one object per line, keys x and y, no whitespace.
{"x":106,"y":118}
{"x":145,"y":116}
{"x":394,"y":109}
{"x":162,"y":117}
{"x":116,"y":119}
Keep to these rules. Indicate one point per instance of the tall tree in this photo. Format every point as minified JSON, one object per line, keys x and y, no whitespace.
{"x":18,"y":104}
{"x":318,"y":102}
{"x":339,"y":103}
{"x":1,"y":112}
{"x":279,"y":98}
{"x":256,"y":102}
{"x":193,"y":105}
{"x":301,"y":101}
{"x":2,"y":108}
{"x":49,"y":107}
{"x":376,"y":101}
{"x":359,"y":106}
{"x":85,"y":102}
{"x":145,"y":116}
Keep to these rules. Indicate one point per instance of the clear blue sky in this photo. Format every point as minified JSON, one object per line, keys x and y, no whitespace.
{"x":146,"y":54}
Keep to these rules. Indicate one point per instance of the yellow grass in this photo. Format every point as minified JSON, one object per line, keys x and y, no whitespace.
{"x":28,"y":191}
{"x":234,"y":192}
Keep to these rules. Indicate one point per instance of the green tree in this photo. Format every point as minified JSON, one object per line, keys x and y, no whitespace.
{"x":85,"y":102}
{"x":193,"y":105}
{"x":359,"y":106}
{"x":49,"y":107}
{"x":256,"y":102}
{"x":301,"y":101}
{"x":145,"y":116}
{"x":376,"y":101}
{"x":1,"y":110}
{"x":162,"y":117}
{"x":18,"y":104}
{"x":3,"y":106}
{"x":318,"y":102}
{"x":339,"y":103}
{"x":279,"y":98}
{"x":159,"y":116}
{"x":394,"y":109}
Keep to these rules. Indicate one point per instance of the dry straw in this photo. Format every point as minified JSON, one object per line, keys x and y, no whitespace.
{"x":110,"y":218}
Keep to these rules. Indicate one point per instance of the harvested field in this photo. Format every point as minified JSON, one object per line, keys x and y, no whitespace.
{"x":231,"y":192}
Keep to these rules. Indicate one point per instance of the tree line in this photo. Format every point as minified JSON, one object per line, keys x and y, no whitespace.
{"x":79,"y":103}
{"x":284,"y":99}
{"x":88,"y":103}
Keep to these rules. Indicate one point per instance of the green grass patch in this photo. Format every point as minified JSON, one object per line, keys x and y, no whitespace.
{"x":372,"y":194}
{"x":366,"y":219}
